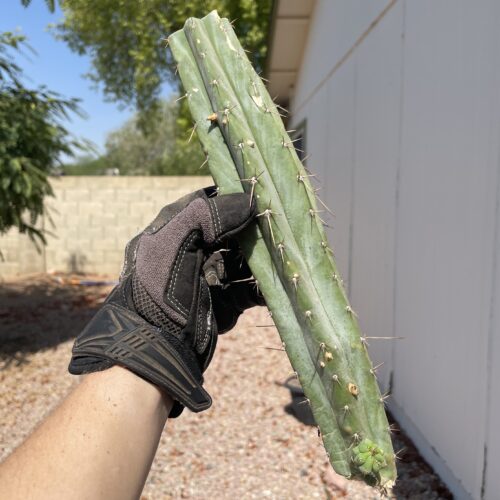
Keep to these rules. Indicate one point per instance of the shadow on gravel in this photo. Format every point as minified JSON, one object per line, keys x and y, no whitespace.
{"x":40,"y":313}
{"x":416,"y":479}
{"x":298,"y":406}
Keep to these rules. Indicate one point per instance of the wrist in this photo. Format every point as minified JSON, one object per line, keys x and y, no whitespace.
{"x":119,"y":387}
{"x":116,"y":335}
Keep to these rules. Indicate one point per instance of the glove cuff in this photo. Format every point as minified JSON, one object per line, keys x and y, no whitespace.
{"x":116,"y":335}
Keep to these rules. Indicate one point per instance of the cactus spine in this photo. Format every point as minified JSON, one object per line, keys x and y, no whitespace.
{"x":248,"y":149}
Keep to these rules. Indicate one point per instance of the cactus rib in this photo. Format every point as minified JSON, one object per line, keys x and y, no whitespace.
{"x":248,"y":149}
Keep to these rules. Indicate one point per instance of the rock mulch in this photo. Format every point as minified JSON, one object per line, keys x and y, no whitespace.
{"x":250,"y":444}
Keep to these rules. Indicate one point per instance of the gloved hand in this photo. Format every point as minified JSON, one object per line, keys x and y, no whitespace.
{"x":161,"y":321}
{"x":232,"y":286}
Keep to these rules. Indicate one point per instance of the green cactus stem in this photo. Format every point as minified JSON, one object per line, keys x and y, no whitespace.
{"x":248,"y":149}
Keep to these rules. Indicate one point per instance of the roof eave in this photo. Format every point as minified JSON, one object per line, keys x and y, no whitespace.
{"x":288,"y":36}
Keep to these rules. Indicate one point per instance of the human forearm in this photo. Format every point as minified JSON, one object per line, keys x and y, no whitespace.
{"x":98,"y":444}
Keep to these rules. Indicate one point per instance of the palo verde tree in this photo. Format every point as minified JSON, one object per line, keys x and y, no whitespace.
{"x":32,"y":138}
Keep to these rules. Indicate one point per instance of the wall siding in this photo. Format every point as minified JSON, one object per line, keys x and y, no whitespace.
{"x":336,"y":26}
{"x":378,"y":86}
{"x":447,"y":196}
{"x":410,"y":163}
{"x":491,"y":485}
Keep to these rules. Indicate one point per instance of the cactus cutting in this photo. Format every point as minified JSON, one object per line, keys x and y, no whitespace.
{"x":248,"y":149}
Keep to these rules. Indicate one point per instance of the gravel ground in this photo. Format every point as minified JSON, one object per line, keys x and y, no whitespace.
{"x":250,"y":444}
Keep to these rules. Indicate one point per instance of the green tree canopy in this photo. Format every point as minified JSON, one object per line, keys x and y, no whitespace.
{"x":51,"y":4}
{"x":32,"y":139}
{"x":132,"y":152}
{"x":86,"y":165}
{"x":124,"y":40}
{"x":165,"y":150}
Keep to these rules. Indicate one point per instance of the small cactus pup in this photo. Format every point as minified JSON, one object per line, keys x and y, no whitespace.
{"x":248,"y":149}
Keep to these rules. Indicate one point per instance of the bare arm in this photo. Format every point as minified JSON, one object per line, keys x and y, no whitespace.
{"x":99,"y":443}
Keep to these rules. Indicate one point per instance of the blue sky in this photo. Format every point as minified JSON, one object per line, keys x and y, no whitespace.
{"x":61,"y":70}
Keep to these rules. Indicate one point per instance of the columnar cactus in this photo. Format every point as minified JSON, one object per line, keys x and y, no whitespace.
{"x":248,"y":148}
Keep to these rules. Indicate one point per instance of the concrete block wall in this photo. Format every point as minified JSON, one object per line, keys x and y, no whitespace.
{"x":19,"y":255}
{"x":90,"y":220}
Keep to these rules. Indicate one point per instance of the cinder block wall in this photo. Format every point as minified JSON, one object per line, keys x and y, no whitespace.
{"x":93,"y":218}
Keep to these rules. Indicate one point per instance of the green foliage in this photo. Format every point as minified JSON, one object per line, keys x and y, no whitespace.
{"x":186,"y":156}
{"x":51,"y":4}
{"x":136,"y":153}
{"x":31,"y":141}
{"x":86,"y":165}
{"x":124,"y":40}
{"x":164,"y":150}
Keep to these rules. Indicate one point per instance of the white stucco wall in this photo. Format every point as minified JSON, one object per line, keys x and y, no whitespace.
{"x":404,"y":135}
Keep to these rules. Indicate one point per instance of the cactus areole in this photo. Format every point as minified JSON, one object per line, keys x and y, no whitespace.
{"x":248,"y":149}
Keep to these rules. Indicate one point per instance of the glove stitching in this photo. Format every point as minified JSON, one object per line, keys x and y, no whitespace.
{"x":200,"y":319}
{"x":125,"y":261}
{"x":124,"y":298}
{"x":158,"y":226}
{"x":211,"y":312}
{"x":175,"y":273}
{"x":174,"y":214}
{"x":125,"y":271}
{"x":221,"y":270}
{"x":217,"y":219}
{"x":202,"y":337}
{"x":212,"y":215}
{"x":150,"y":310}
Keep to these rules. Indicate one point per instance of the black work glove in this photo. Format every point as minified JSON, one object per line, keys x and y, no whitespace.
{"x":232,"y":286}
{"x":161,"y":321}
